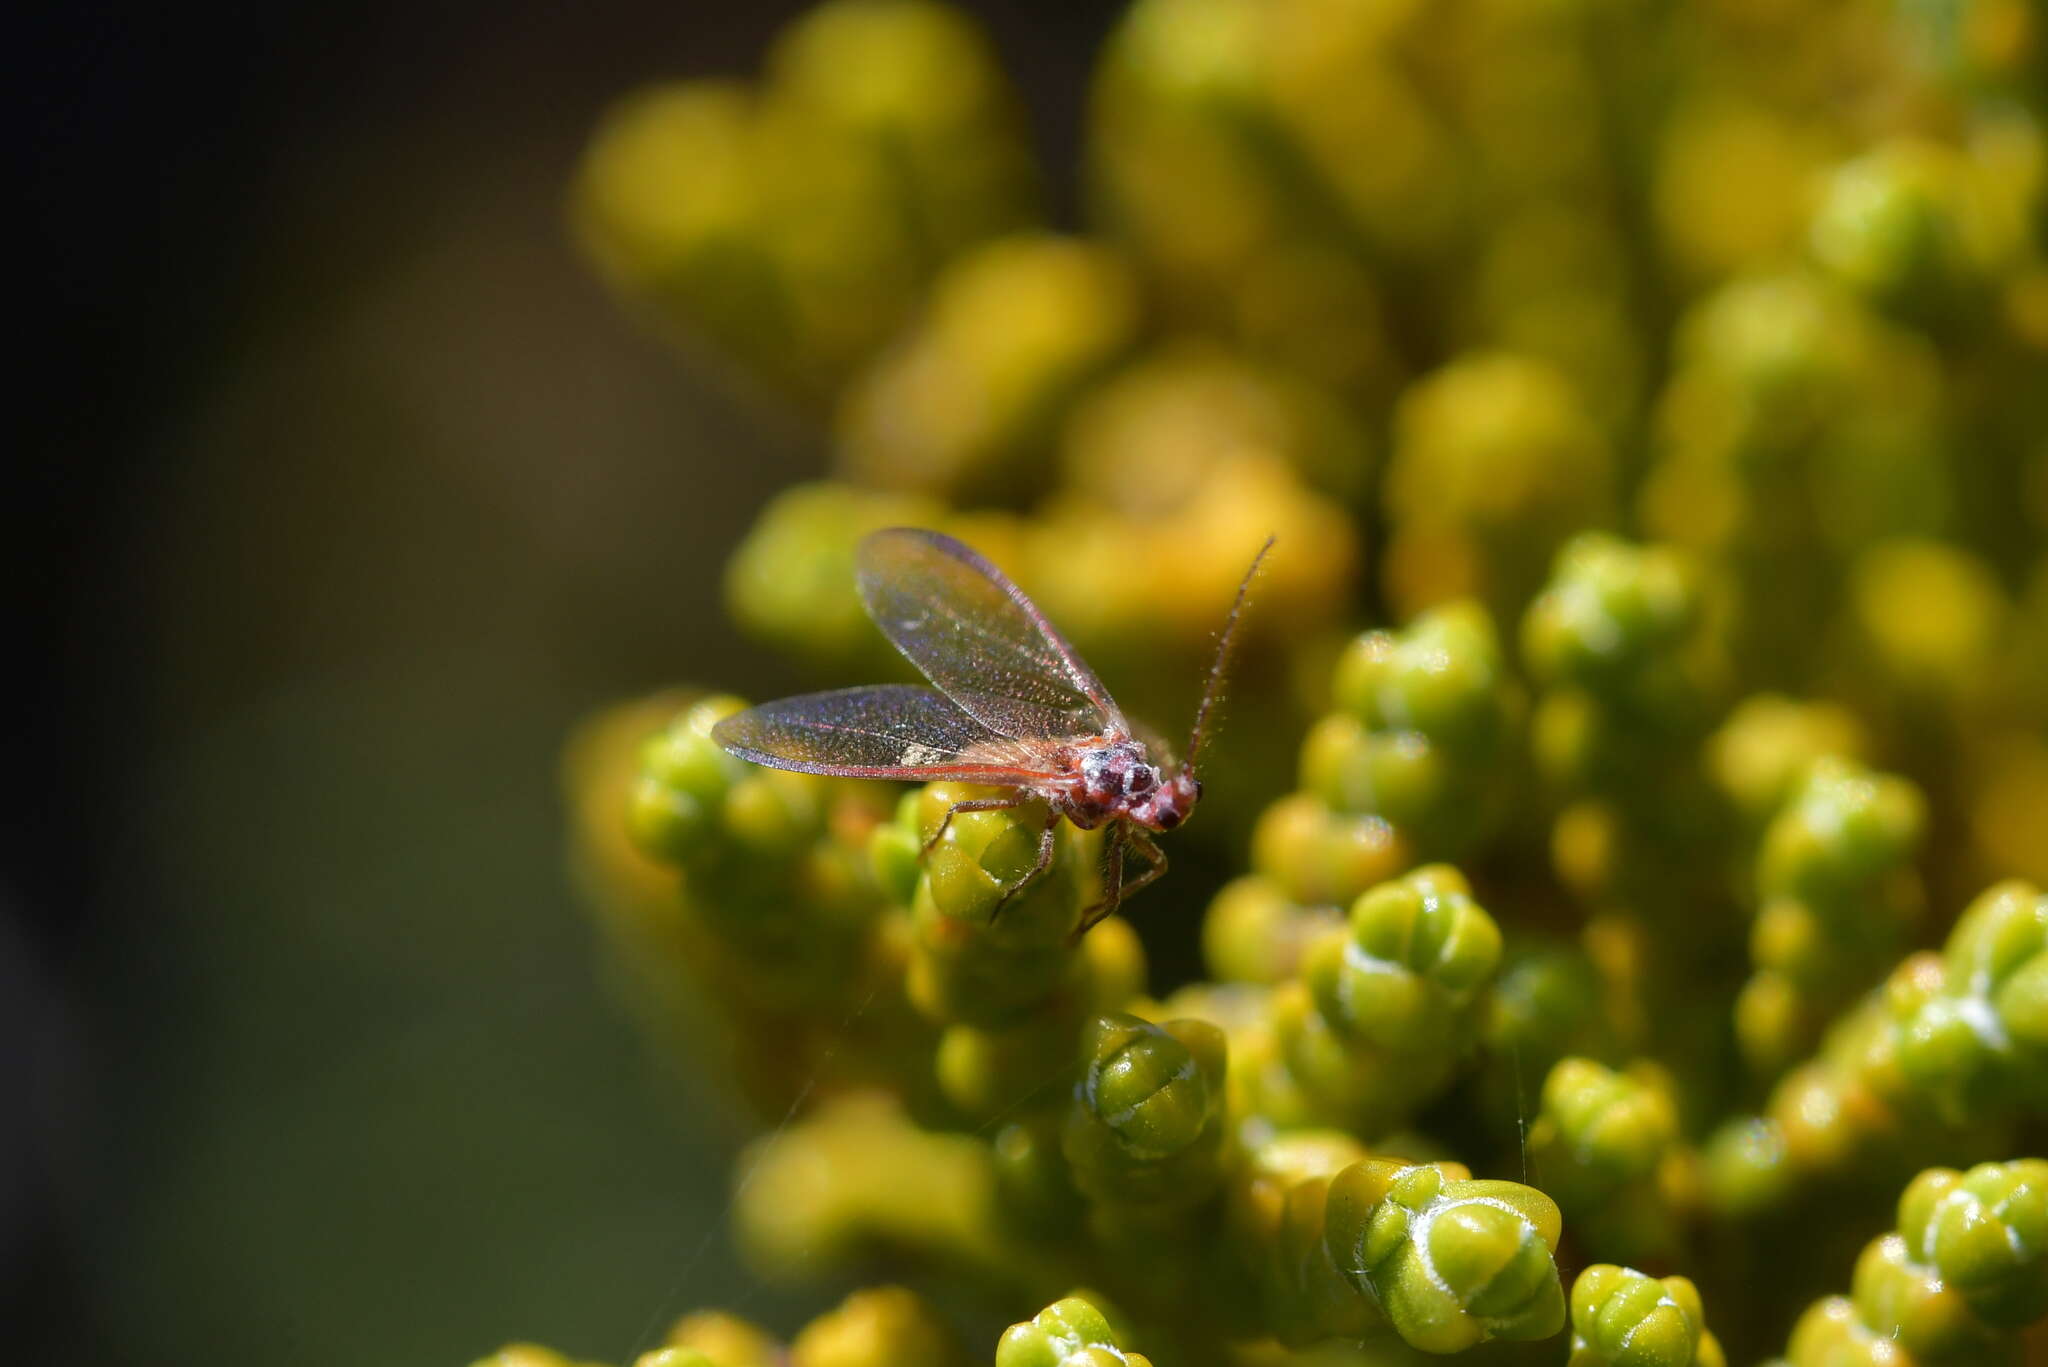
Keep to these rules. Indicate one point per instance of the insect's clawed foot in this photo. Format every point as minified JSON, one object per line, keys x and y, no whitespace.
{"x":995,"y":912}
{"x":1091,"y":917}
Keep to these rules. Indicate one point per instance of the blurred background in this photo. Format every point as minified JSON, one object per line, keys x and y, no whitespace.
{"x":403,"y":388}
{"x":343,"y":491}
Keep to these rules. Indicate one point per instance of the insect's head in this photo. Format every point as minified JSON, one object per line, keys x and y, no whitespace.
{"x":1169,"y":803}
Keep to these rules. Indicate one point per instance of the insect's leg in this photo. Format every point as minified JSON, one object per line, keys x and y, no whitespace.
{"x":974,"y":804}
{"x":1139,"y":839}
{"x":1143,"y":843}
{"x":1118,"y":837}
{"x":1052,"y":823}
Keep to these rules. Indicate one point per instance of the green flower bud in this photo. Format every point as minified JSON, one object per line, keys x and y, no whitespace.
{"x":1984,"y":1233}
{"x":895,"y":852}
{"x":1253,"y":933}
{"x":1902,"y":225}
{"x":1280,"y":1214}
{"x":1931,"y":619}
{"x":1146,"y":1127}
{"x":996,"y":970}
{"x":667,"y":204}
{"x":1416,"y":952}
{"x":1762,"y":753}
{"x":1386,"y":1008}
{"x":1454,"y":1262}
{"x":1547,"y":1003}
{"x":1068,"y":1333}
{"x":1152,"y":435}
{"x":1747,"y":1166}
{"x":675,"y":1357}
{"x":1032,"y":1178}
{"x":1967,"y":1268}
{"x":1844,"y":828}
{"x":1971,"y":1033}
{"x":727,"y":1340}
{"x":1927,"y":1318}
{"x":1442,"y":676}
{"x":982,"y":855}
{"x":1838,"y":891}
{"x":1011,"y":332}
{"x":1495,"y":464}
{"x":855,"y":1175}
{"x":1318,"y":856}
{"x":1424,"y":714}
{"x":791,"y":582}
{"x":1611,"y":610}
{"x":1621,"y":1318}
{"x":1771,"y":350}
{"x":1153,"y":1087}
{"x":533,"y":1355}
{"x":1601,"y":1128}
{"x":887,"y":1326}
{"x":685,"y":777}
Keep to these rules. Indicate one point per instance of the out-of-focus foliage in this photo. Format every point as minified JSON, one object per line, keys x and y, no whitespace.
{"x":1652,"y":667}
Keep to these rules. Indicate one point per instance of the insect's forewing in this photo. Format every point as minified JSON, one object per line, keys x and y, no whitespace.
{"x":888,"y":731}
{"x":979,"y":639}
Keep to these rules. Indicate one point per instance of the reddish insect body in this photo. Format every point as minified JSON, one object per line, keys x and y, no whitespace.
{"x":1012,"y":706}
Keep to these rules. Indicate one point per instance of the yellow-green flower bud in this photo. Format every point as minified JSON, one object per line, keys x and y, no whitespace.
{"x":1748,"y":1166}
{"x":791,"y":582}
{"x":983,"y":956}
{"x":1985,"y":1233}
{"x":1975,"y":1032}
{"x":726,"y":1339}
{"x":1966,"y":1269}
{"x":1622,"y":1318}
{"x":1387,"y":1008}
{"x":1838,"y":893}
{"x":1424,"y":715}
{"x":1318,"y":856}
{"x":685,"y":778}
{"x":676,"y":1357}
{"x":1601,"y":1127}
{"x":855,"y":1175}
{"x":1844,"y":829}
{"x":1416,"y":953}
{"x":1455,"y":1262}
{"x":886,"y":1326}
{"x":1612,"y":610}
{"x":1153,"y":434}
{"x":1012,"y":330}
{"x":1068,"y":1333}
{"x":1254,"y":933}
{"x":533,"y":1355}
{"x":1604,"y":1144}
{"x":1495,"y":464}
{"x":1904,"y":226}
{"x":914,"y":85}
{"x":668,"y":206}
{"x":1146,"y":1127}
{"x":1761,"y":754}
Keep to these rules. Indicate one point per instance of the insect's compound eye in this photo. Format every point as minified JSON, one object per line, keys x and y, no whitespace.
{"x":1140,"y":780}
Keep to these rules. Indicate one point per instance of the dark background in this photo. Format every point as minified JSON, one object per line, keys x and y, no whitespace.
{"x":339,"y":492}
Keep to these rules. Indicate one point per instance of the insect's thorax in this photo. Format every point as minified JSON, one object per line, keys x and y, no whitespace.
{"x":1117,"y":778}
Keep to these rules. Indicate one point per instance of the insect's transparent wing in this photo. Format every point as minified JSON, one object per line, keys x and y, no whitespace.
{"x":979,"y":639}
{"x":888,"y":731}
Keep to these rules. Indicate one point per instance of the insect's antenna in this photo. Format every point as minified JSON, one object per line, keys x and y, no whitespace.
{"x":1213,"y":690}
